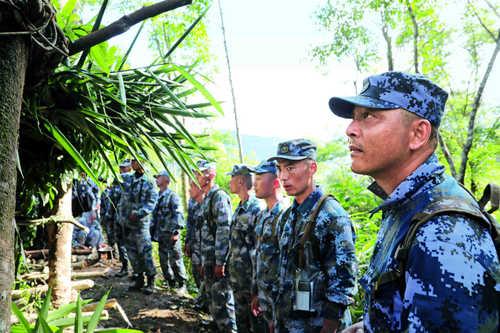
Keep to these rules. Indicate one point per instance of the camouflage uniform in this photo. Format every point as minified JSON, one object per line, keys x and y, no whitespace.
{"x":167,"y":221}
{"x":266,"y":258}
{"x":92,"y":237}
{"x":334,"y":273}
{"x":241,"y":254}
{"x":447,"y":283}
{"x":450,"y":268}
{"x":193,"y":238}
{"x":140,"y":199}
{"x":216,"y":208}
{"x":119,"y":203}
{"x":106,"y":214}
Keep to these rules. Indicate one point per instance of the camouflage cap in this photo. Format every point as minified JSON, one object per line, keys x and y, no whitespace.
{"x":203,"y":165}
{"x":265,"y":167}
{"x":239,"y":169}
{"x":162,"y":173}
{"x":295,"y":150}
{"x":125,"y":163}
{"x":394,"y":90}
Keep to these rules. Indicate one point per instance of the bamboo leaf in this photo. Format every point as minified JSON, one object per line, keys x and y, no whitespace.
{"x":123,"y":94}
{"x":21,"y":317}
{"x":78,"y":316}
{"x":200,"y":88}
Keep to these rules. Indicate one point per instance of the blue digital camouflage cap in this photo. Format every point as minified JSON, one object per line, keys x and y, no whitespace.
{"x":239,"y":169}
{"x":394,"y":90}
{"x":203,"y":165}
{"x":295,"y":150}
{"x":265,"y":167}
{"x":162,"y":173}
{"x":125,"y":163}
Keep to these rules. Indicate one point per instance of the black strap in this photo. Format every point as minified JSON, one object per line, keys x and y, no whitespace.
{"x":309,"y":231}
{"x":491,"y":194}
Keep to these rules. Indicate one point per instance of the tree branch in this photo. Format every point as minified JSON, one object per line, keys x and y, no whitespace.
{"x":447,"y":155}
{"x":388,"y":41}
{"x":476,"y":14}
{"x":124,"y":23}
{"x":493,"y":9}
{"x":475,"y":108}
{"x":415,"y":35}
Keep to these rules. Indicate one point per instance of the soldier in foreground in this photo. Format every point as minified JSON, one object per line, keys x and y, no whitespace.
{"x":317,"y":264}
{"x":267,"y":231}
{"x":242,"y":245}
{"x":139,"y":202}
{"x":442,"y":279}
{"x":216,"y":208}
{"x":167,"y":221}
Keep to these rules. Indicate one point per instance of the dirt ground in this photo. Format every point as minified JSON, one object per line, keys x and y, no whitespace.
{"x":163,"y":311}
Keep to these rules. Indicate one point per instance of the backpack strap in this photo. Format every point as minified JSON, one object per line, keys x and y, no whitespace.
{"x":308,"y":232}
{"x":491,"y":194}
{"x":453,"y":205}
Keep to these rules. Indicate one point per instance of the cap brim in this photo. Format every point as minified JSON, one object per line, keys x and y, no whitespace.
{"x":287,"y":157}
{"x":344,"y":106}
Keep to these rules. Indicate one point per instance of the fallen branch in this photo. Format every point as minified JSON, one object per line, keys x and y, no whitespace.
{"x":75,"y":285}
{"x":110,"y":304}
{"x":74,"y":275}
{"x":44,"y":253}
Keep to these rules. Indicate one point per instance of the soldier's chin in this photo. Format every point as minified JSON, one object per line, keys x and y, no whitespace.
{"x":359,"y":169}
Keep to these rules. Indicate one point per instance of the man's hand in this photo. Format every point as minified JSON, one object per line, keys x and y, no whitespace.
{"x":254,"y":306}
{"x":219,"y":271}
{"x":329,"y":326}
{"x":356,"y":328}
{"x":175,"y":237}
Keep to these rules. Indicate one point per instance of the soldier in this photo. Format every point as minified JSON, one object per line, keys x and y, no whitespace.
{"x":105,"y":213}
{"x":443,"y":281}
{"x":267,"y":187}
{"x":140,"y":199}
{"x":317,"y":264}
{"x":165,"y":228}
{"x":242,"y":245}
{"x":119,"y":201}
{"x":192,"y":244}
{"x":216,"y":208}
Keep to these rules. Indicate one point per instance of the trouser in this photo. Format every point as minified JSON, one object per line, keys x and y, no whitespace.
{"x":221,"y":303}
{"x":139,"y":250}
{"x":109,"y":231}
{"x":171,"y":261}
{"x":120,"y":242}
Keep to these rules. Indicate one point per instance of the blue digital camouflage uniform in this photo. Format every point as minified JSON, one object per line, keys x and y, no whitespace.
{"x":241,"y":254}
{"x":333,"y":273}
{"x":167,"y":220}
{"x":92,"y":237}
{"x":140,"y":198}
{"x":266,"y":258}
{"x":119,"y":204}
{"x":216,"y":208}
{"x":106,"y":214}
{"x":451,"y":263}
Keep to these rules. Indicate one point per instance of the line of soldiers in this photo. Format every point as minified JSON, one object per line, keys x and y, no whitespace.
{"x":434,"y":268}
{"x":134,"y":215}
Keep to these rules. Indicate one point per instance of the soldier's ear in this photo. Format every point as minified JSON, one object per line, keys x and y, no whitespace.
{"x":276,"y":183}
{"x":419,"y":133}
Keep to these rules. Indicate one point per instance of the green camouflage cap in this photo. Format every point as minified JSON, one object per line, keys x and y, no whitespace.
{"x":239,"y":169}
{"x":295,"y":150}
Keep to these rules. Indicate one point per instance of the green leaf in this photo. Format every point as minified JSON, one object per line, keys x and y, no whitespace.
{"x":117,"y":330}
{"x":20,"y":316}
{"x":123,"y":93}
{"x":97,"y":313}
{"x":64,"y":142}
{"x":200,"y":88}
{"x":63,"y":311}
{"x":78,"y":316}
{"x":46,"y":328}
{"x":42,"y":314}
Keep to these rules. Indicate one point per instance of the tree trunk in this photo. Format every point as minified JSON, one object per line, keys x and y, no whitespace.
{"x":13,"y":64}
{"x":60,"y":235}
{"x":475,"y":107}
{"x":388,"y":41}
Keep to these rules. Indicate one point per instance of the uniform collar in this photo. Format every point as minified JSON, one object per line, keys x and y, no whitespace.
{"x":243,"y":206}
{"x":165,"y":192}
{"x":411,"y":185}
{"x":306,"y":206}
